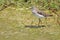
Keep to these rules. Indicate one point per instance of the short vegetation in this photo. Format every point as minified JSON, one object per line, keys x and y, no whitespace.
{"x":15,"y":15}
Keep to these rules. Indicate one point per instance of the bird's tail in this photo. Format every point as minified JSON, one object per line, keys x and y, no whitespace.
{"x":49,"y":15}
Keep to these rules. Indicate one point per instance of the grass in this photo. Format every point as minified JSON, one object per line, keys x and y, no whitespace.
{"x":13,"y":21}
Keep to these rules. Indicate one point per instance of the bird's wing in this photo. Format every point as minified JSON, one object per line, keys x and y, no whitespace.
{"x":44,"y":14}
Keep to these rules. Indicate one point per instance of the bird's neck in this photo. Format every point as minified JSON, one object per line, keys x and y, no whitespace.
{"x":35,"y":11}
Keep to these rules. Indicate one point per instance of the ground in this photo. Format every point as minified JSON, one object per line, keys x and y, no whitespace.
{"x":13,"y":21}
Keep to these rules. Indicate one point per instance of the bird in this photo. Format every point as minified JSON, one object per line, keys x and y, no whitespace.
{"x":40,"y":14}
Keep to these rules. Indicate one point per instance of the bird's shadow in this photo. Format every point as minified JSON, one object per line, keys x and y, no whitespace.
{"x":34,"y":26}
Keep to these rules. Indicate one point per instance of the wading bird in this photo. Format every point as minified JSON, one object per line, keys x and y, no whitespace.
{"x":40,"y":14}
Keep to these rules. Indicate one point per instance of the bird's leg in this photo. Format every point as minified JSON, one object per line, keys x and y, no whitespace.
{"x":39,"y":21}
{"x":46,"y":21}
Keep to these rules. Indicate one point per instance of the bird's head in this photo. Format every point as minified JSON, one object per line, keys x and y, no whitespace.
{"x":33,"y":8}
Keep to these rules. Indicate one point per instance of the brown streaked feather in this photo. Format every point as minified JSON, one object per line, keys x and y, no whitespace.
{"x":44,"y":14}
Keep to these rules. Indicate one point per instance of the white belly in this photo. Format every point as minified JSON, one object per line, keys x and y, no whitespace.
{"x":38,"y":15}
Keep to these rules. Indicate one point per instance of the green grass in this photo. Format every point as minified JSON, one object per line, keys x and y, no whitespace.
{"x":13,"y":21}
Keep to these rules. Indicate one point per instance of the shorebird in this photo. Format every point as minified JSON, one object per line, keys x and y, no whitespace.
{"x":40,"y":14}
